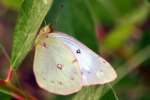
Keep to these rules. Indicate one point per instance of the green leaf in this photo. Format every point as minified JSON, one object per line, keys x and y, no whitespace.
{"x":31,"y":16}
{"x":125,"y":28}
{"x":5,"y":96}
{"x":89,"y":93}
{"x":72,"y":19}
{"x":5,"y":91}
{"x":13,"y":4}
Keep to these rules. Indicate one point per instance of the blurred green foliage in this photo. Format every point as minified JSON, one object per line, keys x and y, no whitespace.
{"x":12,"y":4}
{"x":5,"y":97}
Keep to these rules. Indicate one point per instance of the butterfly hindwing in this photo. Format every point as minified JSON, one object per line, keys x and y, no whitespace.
{"x":94,"y":69}
{"x":55,"y":67}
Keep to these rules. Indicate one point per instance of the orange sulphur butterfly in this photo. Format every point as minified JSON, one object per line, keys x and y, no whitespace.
{"x":63,"y":65}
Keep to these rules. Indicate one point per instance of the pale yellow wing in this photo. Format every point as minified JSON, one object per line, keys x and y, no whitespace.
{"x":55,"y":67}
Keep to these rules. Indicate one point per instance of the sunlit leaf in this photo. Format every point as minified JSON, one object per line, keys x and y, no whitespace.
{"x":30,"y":19}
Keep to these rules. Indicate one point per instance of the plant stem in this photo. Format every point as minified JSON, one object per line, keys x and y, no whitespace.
{"x":9,"y":75}
{"x":8,"y":88}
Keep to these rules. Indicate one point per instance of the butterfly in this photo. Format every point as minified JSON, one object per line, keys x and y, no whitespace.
{"x":63,"y":65}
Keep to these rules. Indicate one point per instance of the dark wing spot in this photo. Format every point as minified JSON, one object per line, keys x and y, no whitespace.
{"x":78,"y":51}
{"x":75,"y":60}
{"x":104,"y":61}
{"x":44,"y":78}
{"x":60,"y":83}
{"x":46,"y":36}
{"x":88,"y":72}
{"x":52,"y":82}
{"x":60,"y":66}
{"x":44,"y":45}
{"x":74,"y":72}
{"x":72,"y":78}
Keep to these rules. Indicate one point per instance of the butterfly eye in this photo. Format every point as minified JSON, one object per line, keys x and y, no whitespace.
{"x":78,"y":51}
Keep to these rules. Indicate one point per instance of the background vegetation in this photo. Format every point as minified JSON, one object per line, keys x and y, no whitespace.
{"x":119,"y":30}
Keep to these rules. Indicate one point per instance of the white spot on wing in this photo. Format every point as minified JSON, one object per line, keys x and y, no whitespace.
{"x":85,"y":79}
{"x":99,"y":74}
{"x":86,"y":68}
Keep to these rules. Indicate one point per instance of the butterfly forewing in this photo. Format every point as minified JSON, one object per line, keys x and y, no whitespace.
{"x":55,"y":67}
{"x":94,"y":69}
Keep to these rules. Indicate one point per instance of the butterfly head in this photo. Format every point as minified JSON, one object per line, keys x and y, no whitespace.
{"x":43,"y":33}
{"x":46,"y":29}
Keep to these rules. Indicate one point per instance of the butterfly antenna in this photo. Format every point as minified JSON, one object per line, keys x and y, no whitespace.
{"x":113,"y":91}
{"x":61,"y":6}
{"x":45,"y":22}
{"x":10,"y":71}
